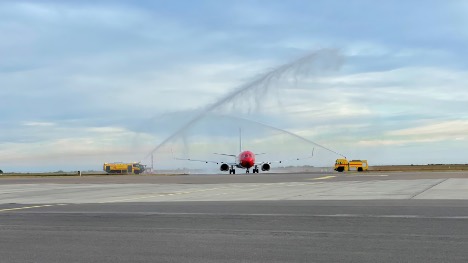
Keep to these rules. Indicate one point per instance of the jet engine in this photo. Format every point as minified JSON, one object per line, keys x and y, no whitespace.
{"x":224,"y":167}
{"x":265,"y":167}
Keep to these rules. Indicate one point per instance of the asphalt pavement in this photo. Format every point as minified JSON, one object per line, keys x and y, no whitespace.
{"x":398,"y":217}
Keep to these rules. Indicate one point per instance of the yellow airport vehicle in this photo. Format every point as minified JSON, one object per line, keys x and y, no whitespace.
{"x":342,"y":165}
{"x":124,"y":168}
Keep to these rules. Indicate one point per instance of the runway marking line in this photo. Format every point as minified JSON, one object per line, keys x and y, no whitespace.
{"x":27,"y":207}
{"x":324,"y":177}
{"x":178,"y":193}
{"x":369,"y":175}
{"x":161,"y":195}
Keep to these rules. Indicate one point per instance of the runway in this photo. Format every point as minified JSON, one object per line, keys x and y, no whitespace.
{"x":313,"y":217}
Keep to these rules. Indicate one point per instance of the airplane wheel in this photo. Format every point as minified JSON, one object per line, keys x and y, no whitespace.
{"x":233,"y":171}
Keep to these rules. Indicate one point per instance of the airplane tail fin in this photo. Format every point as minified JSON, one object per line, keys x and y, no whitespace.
{"x":240,"y":140}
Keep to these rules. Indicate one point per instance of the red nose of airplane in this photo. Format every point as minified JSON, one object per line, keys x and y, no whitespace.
{"x":247,"y":162}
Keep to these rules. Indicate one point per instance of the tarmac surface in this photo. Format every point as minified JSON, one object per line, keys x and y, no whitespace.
{"x":300,"y":217}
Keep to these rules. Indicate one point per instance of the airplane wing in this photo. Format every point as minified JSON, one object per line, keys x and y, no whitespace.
{"x":288,"y":160}
{"x":225,"y":166}
{"x":209,"y":161}
{"x":228,"y":163}
{"x":226,"y":154}
{"x":195,"y":160}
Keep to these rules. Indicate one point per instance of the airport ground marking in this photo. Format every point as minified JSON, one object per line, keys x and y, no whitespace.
{"x":369,"y":175}
{"x":324,"y":177}
{"x":229,"y":188}
{"x":156,"y":195}
{"x":29,"y":207}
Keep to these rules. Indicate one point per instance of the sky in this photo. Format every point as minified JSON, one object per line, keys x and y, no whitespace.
{"x":88,"y":82}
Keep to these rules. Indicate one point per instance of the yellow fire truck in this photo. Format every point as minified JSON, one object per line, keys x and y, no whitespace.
{"x":124,"y":168}
{"x":345,"y":165}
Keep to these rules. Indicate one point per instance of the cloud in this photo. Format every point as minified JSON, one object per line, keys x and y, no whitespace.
{"x":447,"y":128}
{"x":59,"y":147}
{"x":40,"y":124}
{"x":429,"y":133}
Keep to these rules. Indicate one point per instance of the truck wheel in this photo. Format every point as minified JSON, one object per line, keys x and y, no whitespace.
{"x":359,"y":169}
{"x":340,"y":169}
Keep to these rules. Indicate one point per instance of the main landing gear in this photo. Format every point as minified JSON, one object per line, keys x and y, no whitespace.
{"x":255,"y":170}
{"x":233,"y":171}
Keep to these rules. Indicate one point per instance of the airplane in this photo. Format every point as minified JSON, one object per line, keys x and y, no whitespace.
{"x":244,"y":160}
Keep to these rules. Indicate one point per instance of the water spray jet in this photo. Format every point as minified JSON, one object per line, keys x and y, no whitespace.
{"x":284,"y":131}
{"x":321,"y":60}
